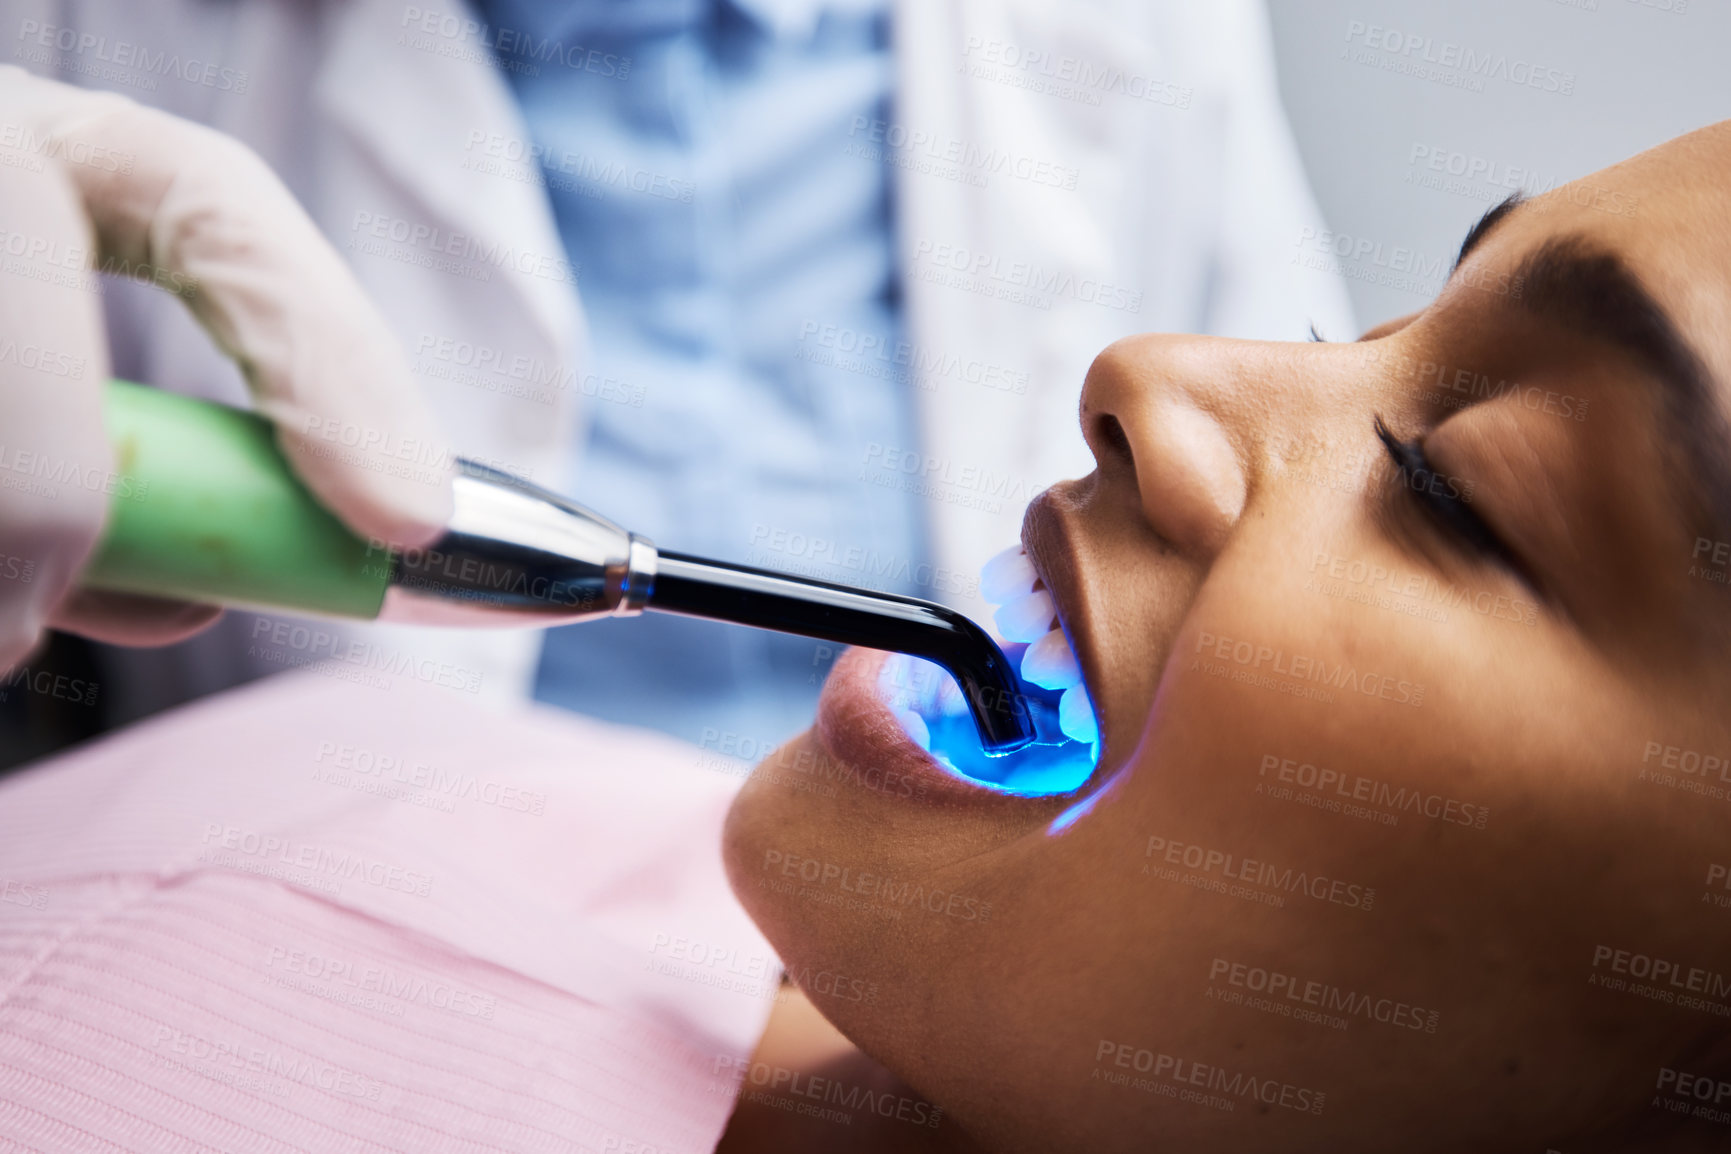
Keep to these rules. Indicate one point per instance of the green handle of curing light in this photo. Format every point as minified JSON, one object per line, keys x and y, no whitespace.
{"x":206,"y":508}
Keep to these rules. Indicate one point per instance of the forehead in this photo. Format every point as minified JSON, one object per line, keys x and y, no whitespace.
{"x":1666,"y":215}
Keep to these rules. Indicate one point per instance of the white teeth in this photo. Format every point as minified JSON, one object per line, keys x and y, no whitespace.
{"x":1050,"y":663}
{"x":1007,"y":576}
{"x":915,"y":727}
{"x":1028,"y":615}
{"x":1027,"y":618}
{"x":1076,"y":716}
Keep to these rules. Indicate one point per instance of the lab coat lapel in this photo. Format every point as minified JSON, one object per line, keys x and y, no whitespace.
{"x":1011,"y":191}
{"x":484,"y":303}
{"x":419,"y":107}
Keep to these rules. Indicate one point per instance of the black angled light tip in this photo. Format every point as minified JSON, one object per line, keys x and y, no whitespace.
{"x":696,"y":587}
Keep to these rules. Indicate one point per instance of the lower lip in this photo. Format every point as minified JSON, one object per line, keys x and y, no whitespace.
{"x":857,"y":725}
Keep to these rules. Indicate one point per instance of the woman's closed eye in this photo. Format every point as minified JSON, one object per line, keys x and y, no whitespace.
{"x":1446,"y":501}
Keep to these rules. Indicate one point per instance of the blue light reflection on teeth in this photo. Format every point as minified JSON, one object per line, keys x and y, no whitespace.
{"x":921,"y":692}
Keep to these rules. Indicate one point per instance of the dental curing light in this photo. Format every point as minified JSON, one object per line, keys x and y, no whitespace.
{"x":207,"y":509}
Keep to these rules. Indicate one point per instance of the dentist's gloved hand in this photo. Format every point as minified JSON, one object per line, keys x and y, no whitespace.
{"x":88,"y":178}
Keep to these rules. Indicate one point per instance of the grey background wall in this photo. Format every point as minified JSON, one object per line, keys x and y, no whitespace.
{"x":1380,"y":91}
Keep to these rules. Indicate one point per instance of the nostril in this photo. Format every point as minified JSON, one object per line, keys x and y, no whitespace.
{"x":1112,"y":441}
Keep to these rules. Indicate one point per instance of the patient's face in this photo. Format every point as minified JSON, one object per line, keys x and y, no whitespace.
{"x":1409,"y":829}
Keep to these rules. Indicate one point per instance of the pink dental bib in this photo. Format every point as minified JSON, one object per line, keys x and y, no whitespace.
{"x":314,"y":915}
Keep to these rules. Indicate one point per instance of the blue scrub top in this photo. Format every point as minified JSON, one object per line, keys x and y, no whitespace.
{"x":709,"y":167}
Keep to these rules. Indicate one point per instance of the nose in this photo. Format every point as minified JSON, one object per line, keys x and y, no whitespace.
{"x":1172,"y":417}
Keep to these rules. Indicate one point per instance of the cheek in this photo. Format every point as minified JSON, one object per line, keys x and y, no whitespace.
{"x":1295,"y":710}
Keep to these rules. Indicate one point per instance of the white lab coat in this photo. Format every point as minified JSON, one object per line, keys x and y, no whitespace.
{"x":1172,"y":186}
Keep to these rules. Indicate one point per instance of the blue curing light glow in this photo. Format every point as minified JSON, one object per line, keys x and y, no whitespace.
{"x":931,"y":709}
{"x":1082,"y":808}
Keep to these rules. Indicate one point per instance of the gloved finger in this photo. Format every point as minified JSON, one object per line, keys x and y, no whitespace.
{"x":131,"y":618}
{"x":55,"y":460}
{"x":216,"y":225}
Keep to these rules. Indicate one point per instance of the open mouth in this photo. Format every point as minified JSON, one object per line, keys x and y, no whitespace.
{"x":933,"y":714}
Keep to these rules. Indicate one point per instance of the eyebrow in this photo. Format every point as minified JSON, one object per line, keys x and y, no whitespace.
{"x":1571,"y":282}
{"x":1485,"y":223}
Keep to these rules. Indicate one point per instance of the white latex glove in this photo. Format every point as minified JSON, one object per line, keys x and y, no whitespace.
{"x":91,"y":177}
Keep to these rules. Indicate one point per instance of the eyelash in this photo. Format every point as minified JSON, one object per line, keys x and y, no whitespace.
{"x":1445,"y":508}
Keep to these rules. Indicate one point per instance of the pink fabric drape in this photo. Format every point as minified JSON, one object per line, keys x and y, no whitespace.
{"x":318,"y":915}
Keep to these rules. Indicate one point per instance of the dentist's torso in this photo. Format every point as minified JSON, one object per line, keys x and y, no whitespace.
{"x":1065,"y":174}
